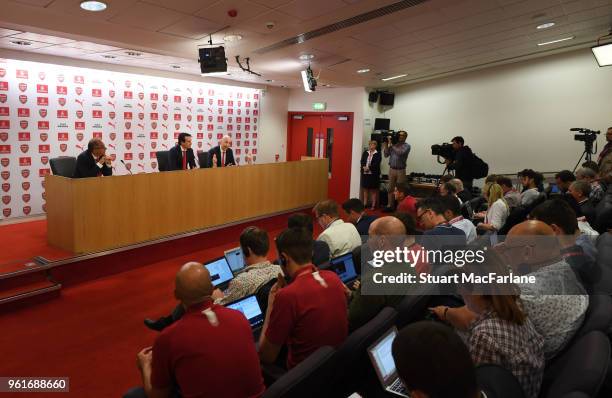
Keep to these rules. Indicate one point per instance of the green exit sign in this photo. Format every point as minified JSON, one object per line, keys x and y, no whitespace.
{"x":319,"y":106}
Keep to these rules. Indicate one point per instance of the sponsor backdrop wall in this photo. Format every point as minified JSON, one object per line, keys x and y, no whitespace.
{"x":49,"y":110}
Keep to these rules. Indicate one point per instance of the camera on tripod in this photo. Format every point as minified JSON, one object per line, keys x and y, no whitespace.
{"x":585,"y":135}
{"x":444,"y":150}
{"x":588,"y":137}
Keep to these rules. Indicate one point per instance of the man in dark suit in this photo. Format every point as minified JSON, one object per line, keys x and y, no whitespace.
{"x":222,"y":155}
{"x":580,"y":191}
{"x":181,"y":156}
{"x":93,"y":162}
{"x":355,"y":212}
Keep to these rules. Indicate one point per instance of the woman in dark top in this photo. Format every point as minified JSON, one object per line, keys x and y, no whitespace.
{"x":370,"y":174}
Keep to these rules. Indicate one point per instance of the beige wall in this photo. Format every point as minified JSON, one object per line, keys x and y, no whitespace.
{"x":515,"y":116}
{"x":274,"y":103}
{"x":338,"y":100}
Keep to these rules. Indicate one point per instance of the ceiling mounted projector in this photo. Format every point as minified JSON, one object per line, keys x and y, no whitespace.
{"x":310,"y":83}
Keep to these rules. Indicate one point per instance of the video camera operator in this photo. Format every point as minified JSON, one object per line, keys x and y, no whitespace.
{"x":604,"y":161}
{"x":398,"y":155}
{"x":462,"y":163}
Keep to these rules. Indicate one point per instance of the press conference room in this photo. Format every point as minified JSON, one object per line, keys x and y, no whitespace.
{"x":306,"y":198}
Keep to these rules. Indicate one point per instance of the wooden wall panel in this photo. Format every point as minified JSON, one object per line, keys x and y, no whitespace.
{"x":94,"y":214}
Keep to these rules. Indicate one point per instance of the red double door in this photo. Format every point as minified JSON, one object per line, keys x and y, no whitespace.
{"x":324,"y":135}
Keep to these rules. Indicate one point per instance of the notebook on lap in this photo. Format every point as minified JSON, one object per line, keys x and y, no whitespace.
{"x":220,"y":272}
{"x":382,"y":360}
{"x":235,"y":259}
{"x":252,"y":311}
{"x":344,"y":267}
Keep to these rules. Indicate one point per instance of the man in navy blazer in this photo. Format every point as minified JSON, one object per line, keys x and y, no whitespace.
{"x":355,"y":212}
{"x":93,"y":162}
{"x":181,"y":157}
{"x":222,"y":155}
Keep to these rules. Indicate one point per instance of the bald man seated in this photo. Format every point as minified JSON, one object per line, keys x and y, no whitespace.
{"x":222,"y":155}
{"x":556,"y":303}
{"x":385,"y":233}
{"x":209,"y":352}
{"x":93,"y":162}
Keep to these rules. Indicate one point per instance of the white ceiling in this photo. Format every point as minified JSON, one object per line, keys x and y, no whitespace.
{"x":436,"y":38}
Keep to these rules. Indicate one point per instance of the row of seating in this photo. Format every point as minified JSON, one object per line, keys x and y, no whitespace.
{"x":579,"y":371}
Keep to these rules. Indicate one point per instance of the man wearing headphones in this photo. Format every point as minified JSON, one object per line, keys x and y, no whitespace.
{"x":297,"y":311}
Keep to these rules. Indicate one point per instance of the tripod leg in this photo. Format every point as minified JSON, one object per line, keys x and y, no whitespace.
{"x":580,"y":160}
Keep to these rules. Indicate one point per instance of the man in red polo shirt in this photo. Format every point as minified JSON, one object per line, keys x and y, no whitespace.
{"x":209,"y":352}
{"x":306,"y":314}
{"x":406,"y":202}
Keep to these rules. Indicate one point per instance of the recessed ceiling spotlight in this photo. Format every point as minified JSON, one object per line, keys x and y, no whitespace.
{"x":306,"y":57}
{"x":94,"y":6}
{"x":393,"y":77}
{"x":175,"y":66}
{"x":133,"y":53}
{"x":366,"y":70}
{"x":556,"y":41}
{"x":21,"y":42}
{"x":269,"y":80}
{"x":232,"y":38}
{"x":109,"y":56}
{"x":545,"y":25}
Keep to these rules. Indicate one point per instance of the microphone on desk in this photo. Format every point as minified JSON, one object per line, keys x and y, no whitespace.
{"x":126,"y":167}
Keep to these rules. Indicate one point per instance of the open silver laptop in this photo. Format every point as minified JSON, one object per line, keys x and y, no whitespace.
{"x":382,"y":360}
{"x":235,"y":259}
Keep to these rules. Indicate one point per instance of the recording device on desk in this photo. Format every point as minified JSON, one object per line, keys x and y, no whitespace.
{"x":588,"y":137}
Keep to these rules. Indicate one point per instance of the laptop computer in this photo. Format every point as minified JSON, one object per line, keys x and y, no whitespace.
{"x":235,"y":259}
{"x":344,"y":267}
{"x":382,"y":360}
{"x":220,"y":272}
{"x":252,"y":311}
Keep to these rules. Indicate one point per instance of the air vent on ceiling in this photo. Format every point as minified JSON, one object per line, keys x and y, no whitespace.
{"x":356,"y":20}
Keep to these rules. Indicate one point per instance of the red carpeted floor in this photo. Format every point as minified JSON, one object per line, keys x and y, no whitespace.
{"x":23,"y":241}
{"x":92,"y":332}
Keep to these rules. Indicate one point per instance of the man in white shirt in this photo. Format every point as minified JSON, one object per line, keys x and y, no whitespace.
{"x":452,"y":214}
{"x":341,"y":237}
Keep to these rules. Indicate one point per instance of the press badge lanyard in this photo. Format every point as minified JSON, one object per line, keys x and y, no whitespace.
{"x":317,"y":277}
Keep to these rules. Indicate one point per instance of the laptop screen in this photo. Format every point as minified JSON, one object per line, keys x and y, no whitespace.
{"x":344,"y":267}
{"x":382,"y":357}
{"x":250,"y":308}
{"x":235,"y":259}
{"x":220,"y":271}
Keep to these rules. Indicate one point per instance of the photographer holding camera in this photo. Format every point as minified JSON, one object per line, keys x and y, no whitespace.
{"x":604,"y":161}
{"x":462,"y":163}
{"x":397,"y":154}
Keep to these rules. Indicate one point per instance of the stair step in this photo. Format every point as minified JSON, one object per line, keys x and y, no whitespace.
{"x":29,"y":290}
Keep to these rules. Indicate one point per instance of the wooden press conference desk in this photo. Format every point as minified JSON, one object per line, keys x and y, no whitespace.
{"x":94,"y":214}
